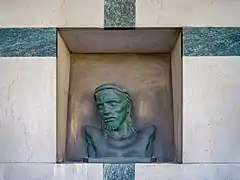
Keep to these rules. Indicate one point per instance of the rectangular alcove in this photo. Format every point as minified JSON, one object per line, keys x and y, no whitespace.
{"x":147,"y":62}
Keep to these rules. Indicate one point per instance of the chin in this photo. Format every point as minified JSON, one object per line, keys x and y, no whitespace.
{"x":111,"y":127}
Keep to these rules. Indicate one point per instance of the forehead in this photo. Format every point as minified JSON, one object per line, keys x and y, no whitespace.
{"x":107,"y":94}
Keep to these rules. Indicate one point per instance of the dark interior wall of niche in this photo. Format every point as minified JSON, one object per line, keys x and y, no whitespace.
{"x":148,"y":79}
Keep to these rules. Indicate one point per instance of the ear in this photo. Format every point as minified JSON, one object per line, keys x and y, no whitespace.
{"x":129,"y":107}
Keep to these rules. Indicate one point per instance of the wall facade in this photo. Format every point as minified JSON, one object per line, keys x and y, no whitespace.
{"x":210,"y":51}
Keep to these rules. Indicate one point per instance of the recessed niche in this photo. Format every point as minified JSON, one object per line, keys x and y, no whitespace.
{"x":147,"y":62}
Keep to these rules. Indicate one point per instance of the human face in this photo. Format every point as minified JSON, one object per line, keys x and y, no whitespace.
{"x":112,"y":108}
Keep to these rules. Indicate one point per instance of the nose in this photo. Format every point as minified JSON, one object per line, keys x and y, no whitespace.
{"x":106,"y":109}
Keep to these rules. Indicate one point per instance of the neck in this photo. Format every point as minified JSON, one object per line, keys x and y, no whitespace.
{"x":124,"y":130}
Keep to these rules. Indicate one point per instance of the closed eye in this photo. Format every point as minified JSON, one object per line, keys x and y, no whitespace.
{"x":114,"y":103}
{"x":100,"y":106}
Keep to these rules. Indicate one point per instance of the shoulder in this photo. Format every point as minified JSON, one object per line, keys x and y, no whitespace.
{"x":92,"y":130}
{"x":148,"y":130}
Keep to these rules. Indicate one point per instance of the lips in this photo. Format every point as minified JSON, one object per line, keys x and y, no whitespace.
{"x":109,"y":119}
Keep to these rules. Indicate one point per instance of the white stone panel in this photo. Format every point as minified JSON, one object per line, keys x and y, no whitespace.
{"x":28,"y":13}
{"x":80,"y":13}
{"x":177,"y":13}
{"x":187,"y":172}
{"x":28,"y":109}
{"x":47,"y":171}
{"x":52,"y":13}
{"x":211,"y":109}
{"x":79,"y":171}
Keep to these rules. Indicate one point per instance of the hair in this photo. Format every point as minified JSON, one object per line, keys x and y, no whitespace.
{"x":121,"y":91}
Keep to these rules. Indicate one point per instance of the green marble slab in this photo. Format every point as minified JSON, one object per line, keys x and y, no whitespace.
{"x":211,"y":41}
{"x":28,"y":42}
{"x":119,"y":172}
{"x":119,"y":13}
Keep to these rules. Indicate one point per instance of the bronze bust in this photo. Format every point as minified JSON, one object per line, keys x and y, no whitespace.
{"x":117,"y":138}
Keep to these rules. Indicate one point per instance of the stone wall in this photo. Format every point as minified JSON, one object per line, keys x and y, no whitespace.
{"x":209,"y":102}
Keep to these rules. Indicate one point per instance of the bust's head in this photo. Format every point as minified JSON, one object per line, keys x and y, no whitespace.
{"x":114,"y":106}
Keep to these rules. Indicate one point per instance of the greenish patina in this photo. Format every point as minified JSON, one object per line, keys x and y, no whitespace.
{"x":118,"y":137}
